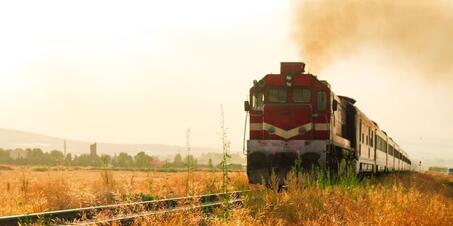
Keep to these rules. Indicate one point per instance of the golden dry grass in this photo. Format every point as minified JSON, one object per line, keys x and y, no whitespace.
{"x":405,"y":199}
{"x":396,"y":199}
{"x":26,"y":190}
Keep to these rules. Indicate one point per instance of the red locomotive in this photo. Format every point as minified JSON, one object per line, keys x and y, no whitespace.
{"x":293,"y":115}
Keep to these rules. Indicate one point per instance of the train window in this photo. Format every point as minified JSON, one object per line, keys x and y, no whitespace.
{"x":378,"y":142}
{"x":257,"y":103}
{"x":277,"y":95}
{"x":322,"y":101}
{"x":368,"y":137}
{"x":301,"y":95}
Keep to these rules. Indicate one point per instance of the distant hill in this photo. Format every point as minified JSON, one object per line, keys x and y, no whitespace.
{"x":12,"y":139}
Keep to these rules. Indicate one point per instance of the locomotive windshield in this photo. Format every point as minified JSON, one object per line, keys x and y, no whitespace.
{"x":322,"y":101}
{"x":301,"y":95}
{"x":257,"y":101}
{"x":277,"y":95}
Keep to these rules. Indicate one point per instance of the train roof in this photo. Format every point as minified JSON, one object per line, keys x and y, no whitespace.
{"x":347,"y":99}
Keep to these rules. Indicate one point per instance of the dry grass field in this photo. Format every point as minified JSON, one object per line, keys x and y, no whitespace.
{"x":399,"y":199}
{"x":396,"y":199}
{"x":32,"y":189}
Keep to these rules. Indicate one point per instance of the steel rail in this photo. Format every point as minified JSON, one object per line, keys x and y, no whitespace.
{"x":144,"y":207}
{"x":130,"y":218}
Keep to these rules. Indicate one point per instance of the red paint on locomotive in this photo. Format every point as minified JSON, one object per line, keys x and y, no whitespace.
{"x":292,"y":113}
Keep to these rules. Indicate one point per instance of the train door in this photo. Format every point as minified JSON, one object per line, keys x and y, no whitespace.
{"x":359,"y":145}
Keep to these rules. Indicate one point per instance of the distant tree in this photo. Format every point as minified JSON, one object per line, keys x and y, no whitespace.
{"x":190,"y":161}
{"x":178,"y":160}
{"x":438,"y":169}
{"x":166,"y":165}
{"x":87,"y":160}
{"x":210,"y":165}
{"x":35,"y":157}
{"x":123,"y":160}
{"x":68,"y":159}
{"x":5,"y":157}
{"x":142,"y":160}
{"x":82,"y":160}
{"x":55,"y":158}
{"x":106,"y":160}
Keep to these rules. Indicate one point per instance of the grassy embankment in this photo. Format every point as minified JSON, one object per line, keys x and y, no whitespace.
{"x":395,"y":199}
{"x":26,"y":190}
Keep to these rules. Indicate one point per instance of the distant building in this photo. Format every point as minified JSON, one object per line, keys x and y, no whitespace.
{"x":93,"y":148}
{"x":18,"y":153}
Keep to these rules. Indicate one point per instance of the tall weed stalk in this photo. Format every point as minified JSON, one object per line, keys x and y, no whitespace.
{"x":189,"y":165}
{"x":224,"y":164}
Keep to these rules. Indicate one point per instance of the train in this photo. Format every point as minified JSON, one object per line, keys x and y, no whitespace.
{"x":295,"y":116}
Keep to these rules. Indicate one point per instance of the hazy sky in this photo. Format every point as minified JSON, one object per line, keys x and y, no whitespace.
{"x":144,"y":72}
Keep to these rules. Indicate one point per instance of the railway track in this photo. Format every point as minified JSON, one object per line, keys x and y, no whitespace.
{"x":124,"y":213}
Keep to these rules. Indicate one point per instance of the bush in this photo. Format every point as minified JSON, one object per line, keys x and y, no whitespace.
{"x":40,"y":169}
{"x":6,"y":168}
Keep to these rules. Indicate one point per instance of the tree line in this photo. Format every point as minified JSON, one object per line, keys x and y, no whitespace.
{"x":37,"y":156}
{"x":53,"y":158}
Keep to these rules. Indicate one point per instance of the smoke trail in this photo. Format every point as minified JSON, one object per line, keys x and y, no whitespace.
{"x":420,"y":32}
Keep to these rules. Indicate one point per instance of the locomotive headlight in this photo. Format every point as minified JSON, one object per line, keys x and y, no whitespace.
{"x":289,"y":77}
